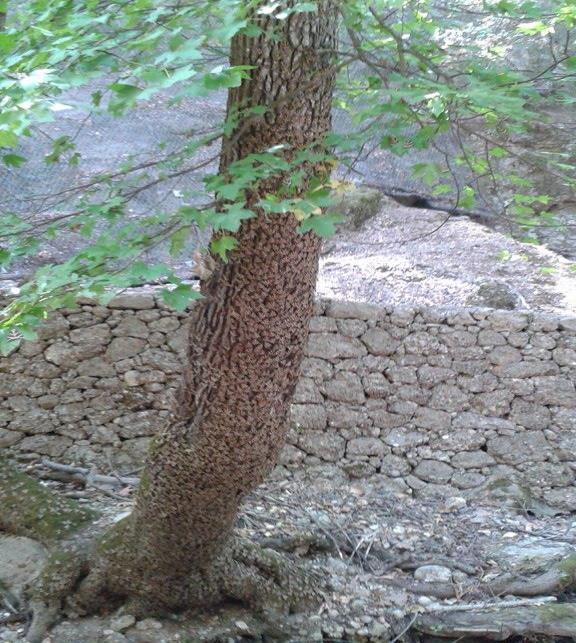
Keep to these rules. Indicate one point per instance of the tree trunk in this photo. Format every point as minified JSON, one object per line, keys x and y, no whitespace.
{"x":246,"y":344}
{"x":247,"y":336}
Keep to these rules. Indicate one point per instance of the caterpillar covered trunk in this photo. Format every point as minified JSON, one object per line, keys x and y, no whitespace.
{"x":248,"y":333}
{"x":246,"y":342}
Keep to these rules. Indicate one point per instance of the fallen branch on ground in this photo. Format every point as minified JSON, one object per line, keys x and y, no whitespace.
{"x":355,"y":547}
{"x":556,"y":580}
{"x":464,"y":607}
{"x":501,"y":623}
{"x":87,"y":476}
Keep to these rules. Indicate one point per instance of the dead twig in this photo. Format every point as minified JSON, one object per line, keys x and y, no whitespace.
{"x":85,"y":476}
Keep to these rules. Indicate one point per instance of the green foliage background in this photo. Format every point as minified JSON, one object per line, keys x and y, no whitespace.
{"x":411,"y":74}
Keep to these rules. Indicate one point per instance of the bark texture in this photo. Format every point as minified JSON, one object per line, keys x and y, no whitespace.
{"x":246,"y":344}
{"x":248,"y":334}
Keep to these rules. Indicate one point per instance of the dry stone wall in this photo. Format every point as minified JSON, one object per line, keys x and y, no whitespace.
{"x":436,"y":400}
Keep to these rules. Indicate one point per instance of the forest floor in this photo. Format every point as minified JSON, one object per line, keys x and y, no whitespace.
{"x":380,"y":550}
{"x":419,"y":257}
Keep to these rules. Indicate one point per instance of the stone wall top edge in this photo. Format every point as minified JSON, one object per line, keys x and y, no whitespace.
{"x":329,"y":306}
{"x":148,"y":296}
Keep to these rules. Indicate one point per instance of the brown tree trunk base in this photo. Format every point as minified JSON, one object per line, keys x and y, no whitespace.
{"x":106,"y":578}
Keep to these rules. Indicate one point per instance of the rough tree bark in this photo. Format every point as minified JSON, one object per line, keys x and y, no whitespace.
{"x":246,"y":343}
{"x":247,"y":336}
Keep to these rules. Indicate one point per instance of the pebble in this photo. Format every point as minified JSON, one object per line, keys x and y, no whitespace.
{"x":378,"y":629}
{"x":241,"y":625}
{"x":115,"y":637}
{"x":149,"y":624}
{"x":10,"y":636}
{"x":454,"y":503}
{"x":433,"y":574}
{"x":333,"y":630}
{"x":121,"y":623}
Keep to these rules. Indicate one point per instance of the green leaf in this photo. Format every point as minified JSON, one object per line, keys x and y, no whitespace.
{"x":8,"y":139}
{"x":7,"y":346}
{"x":13,"y":160}
{"x":96,"y":98}
{"x":222,"y":245}
{"x":125,"y":91}
{"x":537,"y":27}
{"x":28,"y":333}
{"x":232,"y":218}
{"x":5,"y":256}
{"x":178,"y":241}
{"x":7,"y":42}
{"x":323,"y":225}
{"x":179,"y":297}
{"x":442,"y":188}
{"x":504,"y":255}
{"x":427,"y":172}
{"x":498,"y":152}
{"x":221,"y":77}
{"x":467,"y":198}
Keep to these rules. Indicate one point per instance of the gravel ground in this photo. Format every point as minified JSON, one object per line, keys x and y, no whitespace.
{"x":408,"y":256}
{"x":367,"y":538}
{"x":402,"y":256}
{"x":412,"y":257}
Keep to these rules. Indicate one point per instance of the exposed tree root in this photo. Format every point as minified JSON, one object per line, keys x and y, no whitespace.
{"x":90,"y":571}
{"x":499,"y":624}
{"x":261,"y":579}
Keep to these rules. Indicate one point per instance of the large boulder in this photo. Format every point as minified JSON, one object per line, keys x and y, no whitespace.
{"x":21,"y":560}
{"x":358,"y":205}
{"x":496,"y":294}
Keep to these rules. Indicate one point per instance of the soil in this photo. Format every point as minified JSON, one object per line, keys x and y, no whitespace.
{"x":366,"y":537}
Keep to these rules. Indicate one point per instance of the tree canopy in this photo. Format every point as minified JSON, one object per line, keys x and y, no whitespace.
{"x":471,"y":82}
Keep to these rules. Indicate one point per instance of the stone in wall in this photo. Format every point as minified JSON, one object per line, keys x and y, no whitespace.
{"x":431,"y":398}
